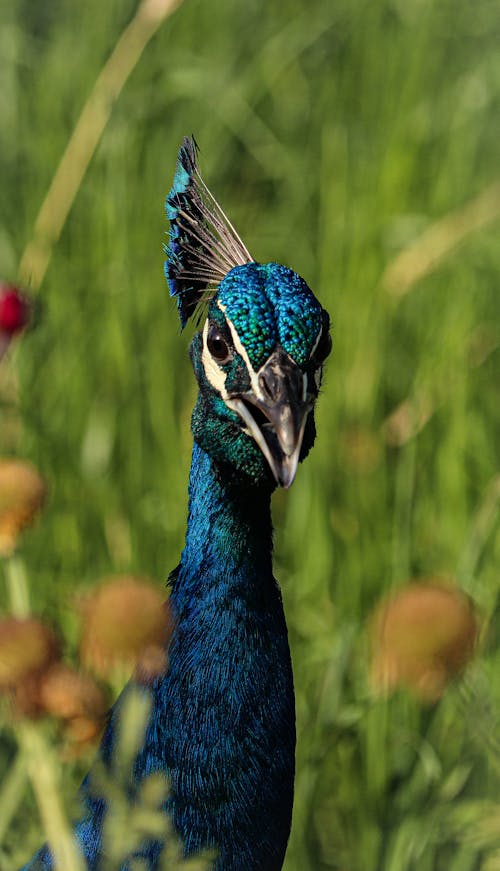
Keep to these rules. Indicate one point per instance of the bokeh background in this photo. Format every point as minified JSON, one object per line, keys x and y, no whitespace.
{"x":357,"y":142}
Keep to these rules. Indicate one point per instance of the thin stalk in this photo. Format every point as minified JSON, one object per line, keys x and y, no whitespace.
{"x":438,"y":241}
{"x":36,"y":757}
{"x":17,"y":586}
{"x":86,"y":135}
{"x":11,"y":792}
{"x":43,"y":771}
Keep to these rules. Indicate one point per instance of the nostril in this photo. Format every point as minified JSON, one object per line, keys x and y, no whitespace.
{"x":299,"y":381}
{"x":268,"y":384}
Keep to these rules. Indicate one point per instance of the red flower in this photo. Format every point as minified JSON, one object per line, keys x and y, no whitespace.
{"x":14,"y":310}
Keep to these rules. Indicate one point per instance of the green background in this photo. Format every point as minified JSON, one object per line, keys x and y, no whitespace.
{"x":333,"y":132}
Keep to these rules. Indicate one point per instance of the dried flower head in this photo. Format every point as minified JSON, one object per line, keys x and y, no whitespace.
{"x":66,"y":693}
{"x":83,"y":730}
{"x":152,"y":662}
{"x":422,"y":638}
{"x":27,"y":648}
{"x":22,"y":494}
{"x":126,"y":621}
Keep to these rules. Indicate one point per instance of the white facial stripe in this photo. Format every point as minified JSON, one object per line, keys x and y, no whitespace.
{"x":215,"y":375}
{"x":254,"y":378}
{"x":318,"y":337}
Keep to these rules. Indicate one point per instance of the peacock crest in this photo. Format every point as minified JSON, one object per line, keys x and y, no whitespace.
{"x":203,"y":246}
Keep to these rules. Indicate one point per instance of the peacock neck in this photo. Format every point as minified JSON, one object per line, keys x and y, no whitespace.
{"x":229,"y":531}
{"x":227,"y":702}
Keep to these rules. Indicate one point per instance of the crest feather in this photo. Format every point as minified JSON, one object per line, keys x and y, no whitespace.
{"x":203,"y":245}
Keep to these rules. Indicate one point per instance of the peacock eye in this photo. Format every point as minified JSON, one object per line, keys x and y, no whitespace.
{"x":323,"y":348}
{"x":217,"y":345}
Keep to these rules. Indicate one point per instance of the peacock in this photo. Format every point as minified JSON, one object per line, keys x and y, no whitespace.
{"x":222,"y":726}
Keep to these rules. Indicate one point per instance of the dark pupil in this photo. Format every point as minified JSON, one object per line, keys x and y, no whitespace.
{"x":324,"y":347}
{"x":217,"y":345}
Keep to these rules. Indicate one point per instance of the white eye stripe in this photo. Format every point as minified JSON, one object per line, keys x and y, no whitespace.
{"x":215,"y":375}
{"x":241,"y":350}
{"x":318,"y":337}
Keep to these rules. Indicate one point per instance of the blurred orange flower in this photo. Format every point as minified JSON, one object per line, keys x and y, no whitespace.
{"x":422,"y":638}
{"x":27,"y":648}
{"x":75,"y":699}
{"x":126,"y":621}
{"x":81,"y":731}
{"x":66,"y":693}
{"x":22,"y":494}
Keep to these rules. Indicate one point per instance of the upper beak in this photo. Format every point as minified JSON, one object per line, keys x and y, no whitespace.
{"x":283,"y":401}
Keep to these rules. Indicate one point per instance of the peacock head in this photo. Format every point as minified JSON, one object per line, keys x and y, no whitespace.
{"x":259,"y":357}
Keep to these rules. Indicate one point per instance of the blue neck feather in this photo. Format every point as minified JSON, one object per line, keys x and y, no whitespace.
{"x":229,"y":536}
{"x":223,"y":720}
{"x":228,"y":698}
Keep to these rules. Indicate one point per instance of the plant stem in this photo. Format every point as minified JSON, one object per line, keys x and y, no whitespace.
{"x":12,"y":791}
{"x":429,"y":249}
{"x":17,"y":586}
{"x":43,"y":771}
{"x":84,"y":139}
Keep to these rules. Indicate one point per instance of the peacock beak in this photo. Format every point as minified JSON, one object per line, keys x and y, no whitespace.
{"x":276,"y":413}
{"x":282,"y":436}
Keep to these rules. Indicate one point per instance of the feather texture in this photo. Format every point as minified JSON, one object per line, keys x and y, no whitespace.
{"x":204,"y":246}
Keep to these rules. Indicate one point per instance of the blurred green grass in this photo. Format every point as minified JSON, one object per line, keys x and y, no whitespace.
{"x":333,"y":133}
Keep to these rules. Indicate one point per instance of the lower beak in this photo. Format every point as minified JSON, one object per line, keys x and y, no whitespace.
{"x":283,"y":407}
